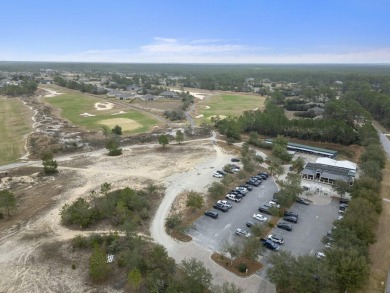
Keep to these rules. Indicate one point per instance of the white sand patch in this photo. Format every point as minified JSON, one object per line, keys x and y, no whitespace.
{"x":199,"y":116}
{"x":215,"y":116}
{"x":51,"y":93}
{"x":120,"y":112}
{"x":199,"y":96}
{"x":87,"y":115}
{"x":255,"y":109}
{"x":104,"y":106}
{"x":207,"y":107}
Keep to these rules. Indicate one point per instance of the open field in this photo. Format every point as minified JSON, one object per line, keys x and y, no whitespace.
{"x":158,"y":105}
{"x":15,"y":123}
{"x":92,"y":113}
{"x":379,"y":252}
{"x":226,"y":104}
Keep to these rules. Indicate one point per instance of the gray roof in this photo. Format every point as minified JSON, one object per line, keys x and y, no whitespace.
{"x":330,"y":172}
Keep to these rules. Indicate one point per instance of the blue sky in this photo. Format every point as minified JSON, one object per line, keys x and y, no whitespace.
{"x":212,"y":31}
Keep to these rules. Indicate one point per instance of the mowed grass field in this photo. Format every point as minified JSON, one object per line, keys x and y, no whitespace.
{"x":228,"y":105}
{"x":15,"y":123}
{"x":71,"y":105}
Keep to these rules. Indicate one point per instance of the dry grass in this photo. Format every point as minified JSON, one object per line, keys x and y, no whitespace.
{"x":380,"y":252}
{"x":125,"y":123}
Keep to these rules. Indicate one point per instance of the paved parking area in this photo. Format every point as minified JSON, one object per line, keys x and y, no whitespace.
{"x":212,"y":234}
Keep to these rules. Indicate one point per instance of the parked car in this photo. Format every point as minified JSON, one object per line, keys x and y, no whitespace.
{"x":217,"y":175}
{"x":343,"y":205}
{"x":225,"y":203}
{"x":235,"y":159}
{"x":257,"y":183}
{"x":242,"y":189}
{"x":340,"y":217}
{"x":251,"y":182}
{"x":264,"y":209}
{"x":273,"y":203}
{"x":211,"y":213}
{"x":341,"y":210}
{"x":259,"y":217}
{"x":276,"y":238}
{"x":291,"y":213}
{"x":233,"y":197}
{"x":344,"y":200}
{"x":328,"y":245}
{"x":220,"y":207}
{"x":242,"y":232}
{"x":320,"y":255}
{"x":290,"y":219}
{"x":249,"y":187}
{"x":303,"y":201}
{"x":269,"y":244}
{"x":284,"y":226}
{"x":249,"y":224}
{"x":236,"y":193}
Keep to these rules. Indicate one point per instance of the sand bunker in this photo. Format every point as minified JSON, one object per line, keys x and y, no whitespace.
{"x":87,"y":115}
{"x":215,"y":116}
{"x":199,"y":116}
{"x":125,"y":123}
{"x":120,"y":112}
{"x":207,"y":107}
{"x":104,"y":106}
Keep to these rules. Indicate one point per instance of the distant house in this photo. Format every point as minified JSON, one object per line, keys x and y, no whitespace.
{"x":149,"y":97}
{"x":317,"y":111}
{"x":170,"y":95}
{"x":133,"y":87}
{"x":46,"y":81}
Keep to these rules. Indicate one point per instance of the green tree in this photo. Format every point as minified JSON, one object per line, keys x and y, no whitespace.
{"x":215,"y":190}
{"x":341,"y":187}
{"x":197,"y":277}
{"x":233,"y":249}
{"x":117,"y":130}
{"x":49,"y":165}
{"x":163,"y":140}
{"x":7,"y":201}
{"x":98,"y":267}
{"x":112,"y":145}
{"x":179,"y":136}
{"x":298,"y":164}
{"x":195,"y":200}
{"x":134,"y":278}
{"x":252,"y":248}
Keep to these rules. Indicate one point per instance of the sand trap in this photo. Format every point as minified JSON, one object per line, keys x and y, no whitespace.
{"x":199,"y":116}
{"x":51,"y":93}
{"x":255,"y":109}
{"x":120,"y":112}
{"x":215,"y":116}
{"x":104,"y":106}
{"x":87,"y":115}
{"x":207,"y":107}
{"x":125,"y":123}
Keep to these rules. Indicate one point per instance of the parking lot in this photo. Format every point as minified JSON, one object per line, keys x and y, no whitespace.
{"x":314,"y":222}
{"x":212,"y":234}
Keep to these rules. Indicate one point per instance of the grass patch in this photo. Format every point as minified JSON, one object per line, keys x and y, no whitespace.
{"x":228,"y":105}
{"x":15,"y":123}
{"x":71,"y":105}
{"x":225,"y":262}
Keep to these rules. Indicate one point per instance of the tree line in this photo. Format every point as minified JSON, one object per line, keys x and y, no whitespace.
{"x":75,"y":85}
{"x":25,"y":88}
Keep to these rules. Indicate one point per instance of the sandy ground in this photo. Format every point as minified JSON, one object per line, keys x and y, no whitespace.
{"x":104,"y":106}
{"x":29,"y":247}
{"x":125,"y":123}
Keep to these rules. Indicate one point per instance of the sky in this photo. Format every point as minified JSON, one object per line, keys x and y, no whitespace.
{"x":197,"y":31}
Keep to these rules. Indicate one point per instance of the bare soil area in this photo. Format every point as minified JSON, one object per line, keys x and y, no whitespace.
{"x":34,"y":246}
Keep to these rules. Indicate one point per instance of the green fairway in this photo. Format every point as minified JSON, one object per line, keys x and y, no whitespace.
{"x":72,"y":105}
{"x":15,"y":123}
{"x":228,"y":105}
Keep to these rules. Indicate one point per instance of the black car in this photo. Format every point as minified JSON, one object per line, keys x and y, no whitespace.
{"x":291,"y":213}
{"x":221,"y":172}
{"x":247,"y":186}
{"x":211,"y":213}
{"x":236,"y":193}
{"x":235,"y":160}
{"x":250,"y":182}
{"x":220,"y":207}
{"x":239,"y":192}
{"x":264,"y":175}
{"x":303,"y":201}
{"x":264,"y":209}
{"x":284,"y":226}
{"x":344,"y":200}
{"x":290,"y":219}
{"x":269,"y":244}
{"x":257,"y":182}
{"x":249,"y":224}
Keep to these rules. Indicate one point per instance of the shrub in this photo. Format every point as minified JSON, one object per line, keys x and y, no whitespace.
{"x":242,"y":267}
{"x":172,"y":222}
{"x":79,"y":241}
{"x":271,"y":225}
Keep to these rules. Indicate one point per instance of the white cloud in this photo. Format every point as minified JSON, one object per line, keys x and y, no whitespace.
{"x":169,"y":50}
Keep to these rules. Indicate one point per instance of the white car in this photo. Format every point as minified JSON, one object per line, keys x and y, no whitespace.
{"x":233,"y":197}
{"x":340,"y":217}
{"x":217,"y":175}
{"x":276,"y":238}
{"x":259,"y":217}
{"x":274,"y":204}
{"x":320,"y":255}
{"x":328,"y":245}
{"x":225,"y":203}
{"x":243,"y":232}
{"x":242,"y":190}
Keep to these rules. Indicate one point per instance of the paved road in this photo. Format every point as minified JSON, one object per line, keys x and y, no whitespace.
{"x":385,"y":142}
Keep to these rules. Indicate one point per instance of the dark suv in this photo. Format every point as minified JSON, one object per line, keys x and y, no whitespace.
{"x":284,"y":226}
{"x":212,"y":214}
{"x":264,"y":209}
{"x":269,"y":244}
{"x":290,"y":219}
{"x":291,"y":214}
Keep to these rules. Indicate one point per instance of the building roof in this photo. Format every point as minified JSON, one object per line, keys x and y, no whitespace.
{"x":328,"y":171}
{"x":307,"y":148}
{"x":341,"y":164}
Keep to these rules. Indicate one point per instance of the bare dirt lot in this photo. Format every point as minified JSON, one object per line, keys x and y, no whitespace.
{"x":34,"y":246}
